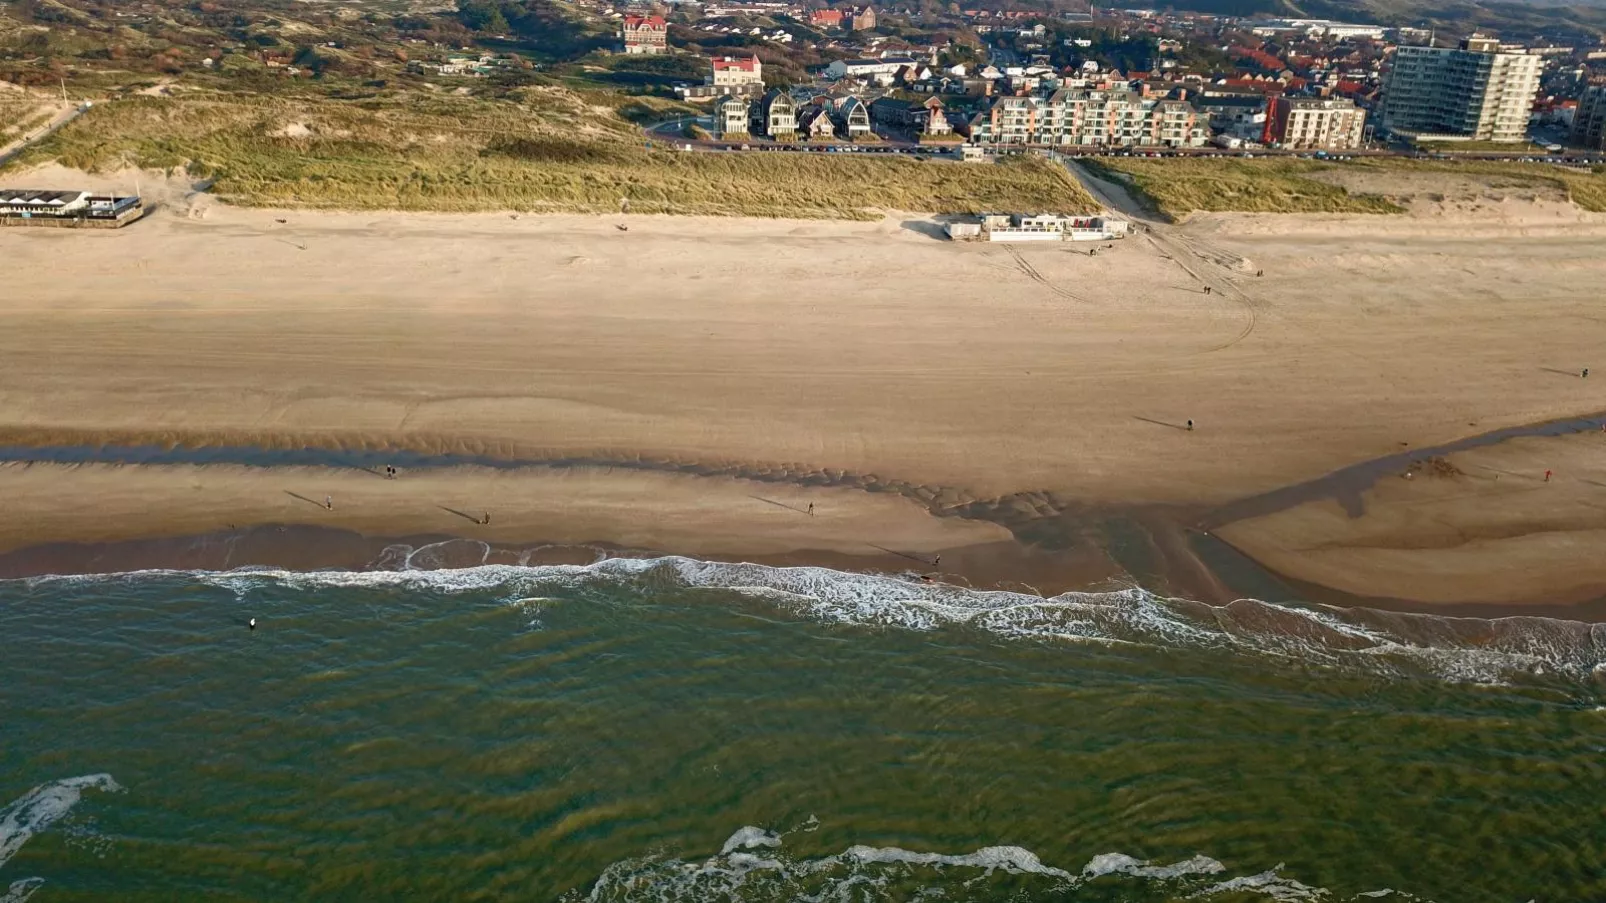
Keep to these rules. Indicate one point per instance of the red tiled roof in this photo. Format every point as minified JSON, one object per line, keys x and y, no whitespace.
{"x":732,"y":64}
{"x":1266,"y":87}
{"x":638,"y":21}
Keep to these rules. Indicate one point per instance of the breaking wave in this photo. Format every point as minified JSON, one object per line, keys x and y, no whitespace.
{"x":754,"y":866}
{"x":36,"y":811}
{"x":1466,"y":650}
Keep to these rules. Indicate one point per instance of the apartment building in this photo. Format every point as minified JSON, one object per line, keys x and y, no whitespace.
{"x":736,"y":70}
{"x":1089,"y":117}
{"x":1474,"y":91}
{"x":1589,"y":122}
{"x":1315,"y":123}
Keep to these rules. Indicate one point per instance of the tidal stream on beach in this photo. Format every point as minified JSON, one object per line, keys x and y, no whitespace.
{"x":673,"y":729}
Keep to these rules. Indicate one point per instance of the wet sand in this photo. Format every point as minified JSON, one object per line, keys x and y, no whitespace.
{"x":1001,"y":396}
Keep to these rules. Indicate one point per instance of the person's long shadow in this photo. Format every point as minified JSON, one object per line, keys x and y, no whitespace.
{"x":1576,"y":374}
{"x":778,"y":504}
{"x":298,"y":495}
{"x":1175,"y":426}
{"x":462,"y":514}
{"x":925,"y":561}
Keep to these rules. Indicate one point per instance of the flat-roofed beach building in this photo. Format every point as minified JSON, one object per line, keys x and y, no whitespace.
{"x":46,"y":207}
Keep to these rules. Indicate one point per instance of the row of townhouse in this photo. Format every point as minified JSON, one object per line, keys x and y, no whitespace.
{"x":823,"y":118}
{"x":1089,"y":117}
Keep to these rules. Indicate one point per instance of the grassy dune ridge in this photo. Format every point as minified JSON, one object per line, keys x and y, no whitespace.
{"x":20,"y":113}
{"x":546,"y":149}
{"x":1177,"y":187}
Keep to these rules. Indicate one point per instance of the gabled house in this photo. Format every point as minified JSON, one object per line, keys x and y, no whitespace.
{"x":732,"y":115}
{"x":826,"y":18}
{"x":645,"y":34}
{"x":816,"y":123}
{"x":775,"y":116}
{"x":852,"y":118}
{"x":925,"y":116}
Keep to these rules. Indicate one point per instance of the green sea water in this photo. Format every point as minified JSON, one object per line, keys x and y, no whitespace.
{"x":685,"y":731}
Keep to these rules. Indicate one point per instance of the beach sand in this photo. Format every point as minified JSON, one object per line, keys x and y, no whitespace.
{"x":1484,"y":525}
{"x":872,"y":356}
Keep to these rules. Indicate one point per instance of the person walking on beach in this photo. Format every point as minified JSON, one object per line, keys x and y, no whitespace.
{"x":1547,"y":476}
{"x":936,"y":562}
{"x":1586,"y":373}
{"x":1207,"y":289}
{"x":487,"y":521}
{"x":811,"y":509}
{"x":329,"y":502}
{"x":1190,"y":426}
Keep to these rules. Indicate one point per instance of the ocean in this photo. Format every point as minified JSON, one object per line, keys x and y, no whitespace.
{"x":670,"y":729}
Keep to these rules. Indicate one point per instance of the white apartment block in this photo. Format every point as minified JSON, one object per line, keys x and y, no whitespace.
{"x":1475,"y":91}
{"x":1316,"y":123}
{"x":1089,"y":118}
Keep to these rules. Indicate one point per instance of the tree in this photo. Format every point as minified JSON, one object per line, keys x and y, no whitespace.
{"x":482,"y":15}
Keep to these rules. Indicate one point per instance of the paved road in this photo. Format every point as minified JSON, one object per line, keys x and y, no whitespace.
{"x":674,"y":128}
{"x":26,"y":141}
{"x":671,"y":132}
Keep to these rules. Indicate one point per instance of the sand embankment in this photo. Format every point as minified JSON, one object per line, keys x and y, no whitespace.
{"x":967,"y":372}
{"x":1484,"y":525}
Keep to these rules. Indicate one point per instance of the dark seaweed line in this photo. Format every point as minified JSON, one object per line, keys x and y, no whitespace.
{"x":1346,"y":485}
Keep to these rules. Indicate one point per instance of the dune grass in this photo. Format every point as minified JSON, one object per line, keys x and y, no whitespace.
{"x":1584,"y":186}
{"x":20,"y":114}
{"x":547,"y":149}
{"x":1177,"y":187}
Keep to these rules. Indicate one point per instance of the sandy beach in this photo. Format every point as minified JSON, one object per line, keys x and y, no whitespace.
{"x":871,"y":368}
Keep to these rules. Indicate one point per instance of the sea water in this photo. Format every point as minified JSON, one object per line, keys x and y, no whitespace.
{"x":680,"y":730}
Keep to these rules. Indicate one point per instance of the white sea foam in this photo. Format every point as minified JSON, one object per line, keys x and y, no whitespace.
{"x":1470,"y":650}
{"x":21,"y":890}
{"x":1122,"y":864}
{"x":1269,"y":883}
{"x":1013,"y":860}
{"x":750,"y":838}
{"x":36,"y":811}
{"x":40,"y":807}
{"x":871,"y":873}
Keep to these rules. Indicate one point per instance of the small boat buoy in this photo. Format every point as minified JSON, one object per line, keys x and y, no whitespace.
{"x":252,"y":624}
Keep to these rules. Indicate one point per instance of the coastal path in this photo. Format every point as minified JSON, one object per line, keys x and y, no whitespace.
{"x":66,"y":115}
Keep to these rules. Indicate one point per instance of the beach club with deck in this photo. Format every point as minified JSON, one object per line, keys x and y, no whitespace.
{"x":1036,"y":227}
{"x":37,"y":207}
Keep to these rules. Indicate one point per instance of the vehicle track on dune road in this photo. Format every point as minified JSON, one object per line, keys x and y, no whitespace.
{"x":1178,"y":248}
{"x":1168,"y":243}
